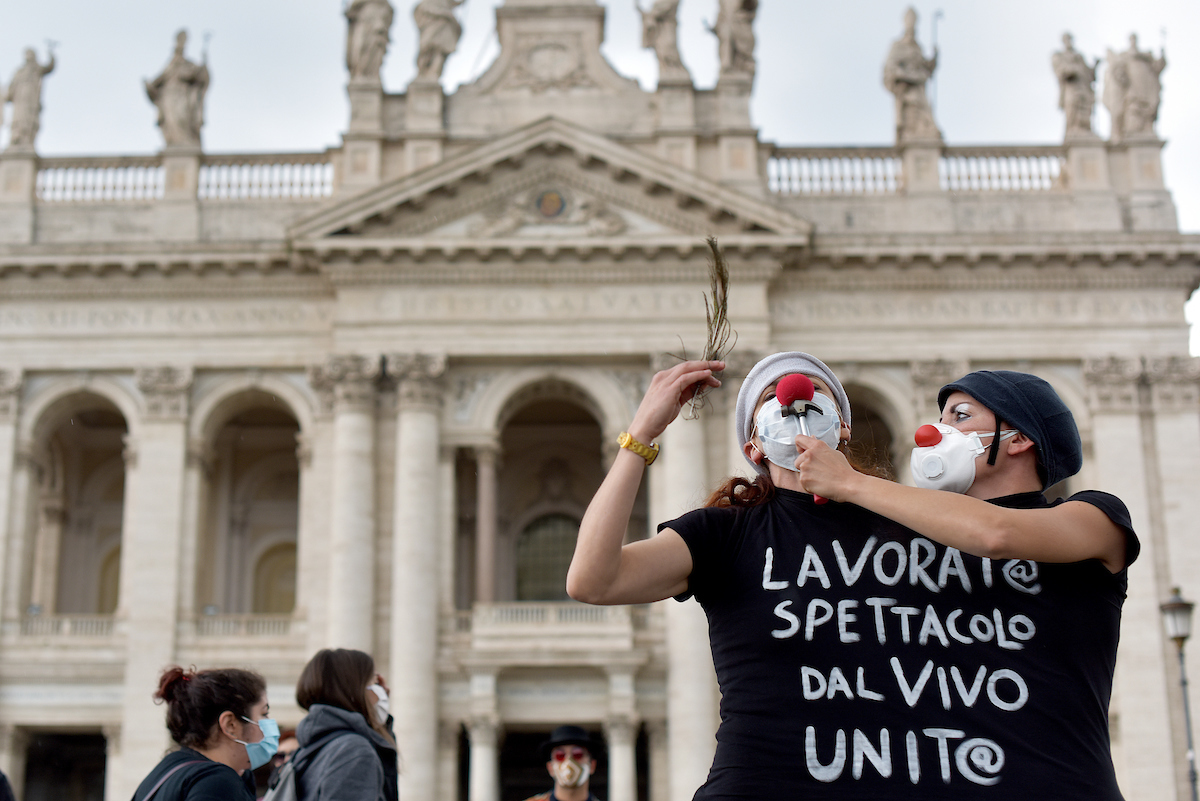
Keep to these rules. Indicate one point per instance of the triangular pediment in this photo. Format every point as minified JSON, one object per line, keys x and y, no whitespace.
{"x":549,"y":185}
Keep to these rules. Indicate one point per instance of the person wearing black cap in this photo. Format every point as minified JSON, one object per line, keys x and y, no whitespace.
{"x":571,"y":762}
{"x":1043,"y":580}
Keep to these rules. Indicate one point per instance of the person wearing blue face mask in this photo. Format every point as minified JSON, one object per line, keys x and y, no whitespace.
{"x":220,"y":720}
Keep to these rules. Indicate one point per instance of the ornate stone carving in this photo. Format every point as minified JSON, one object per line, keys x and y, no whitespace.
{"x":367,"y":37}
{"x":1076,"y":86}
{"x":25,"y":94}
{"x":11,"y":382}
{"x":417,"y":377}
{"x":660,"y":32}
{"x":440,"y":32}
{"x":735,"y":34}
{"x":904,"y":75}
{"x":1174,"y":383}
{"x":178,"y":92}
{"x":165,"y":389}
{"x":346,"y":381}
{"x":1132,"y":90}
{"x":1113,"y":384}
{"x":545,"y":62}
{"x":928,"y":378}
{"x":550,"y":206}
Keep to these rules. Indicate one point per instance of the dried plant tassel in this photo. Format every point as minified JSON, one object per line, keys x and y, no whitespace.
{"x":716,"y":312}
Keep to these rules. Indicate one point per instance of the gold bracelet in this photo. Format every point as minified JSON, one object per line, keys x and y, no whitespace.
{"x":647,"y":452}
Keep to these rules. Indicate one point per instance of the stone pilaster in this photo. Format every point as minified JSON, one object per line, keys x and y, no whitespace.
{"x":1174,"y":384}
{"x":18,"y":195}
{"x":1126,"y":465}
{"x":1088,"y":178}
{"x":150,"y":560}
{"x":11,"y":382}
{"x":200,"y":462}
{"x":18,"y":542}
{"x":180,"y":206}
{"x":483,"y":730}
{"x":620,"y":729}
{"x":678,"y":481}
{"x":112,"y":761}
{"x":415,"y":569}
{"x":1150,"y":205}
{"x":351,"y":601}
{"x":362,"y":145}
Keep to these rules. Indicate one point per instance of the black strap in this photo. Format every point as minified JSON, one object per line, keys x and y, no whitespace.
{"x":168,"y":775}
{"x":995,"y":449}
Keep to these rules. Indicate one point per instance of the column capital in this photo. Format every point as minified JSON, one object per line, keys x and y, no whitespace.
{"x":928,"y":378}
{"x":11,"y":382}
{"x":417,"y":378}
{"x":346,"y":381}
{"x":483,"y":729}
{"x":1113,"y":383}
{"x":1174,"y":383}
{"x":620,"y":729}
{"x":165,"y":389}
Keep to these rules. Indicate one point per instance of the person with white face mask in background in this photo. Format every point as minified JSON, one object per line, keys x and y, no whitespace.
{"x":1004,"y":438}
{"x":571,"y":762}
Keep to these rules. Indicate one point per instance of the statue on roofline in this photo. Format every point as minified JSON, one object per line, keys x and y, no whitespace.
{"x":735,"y":33}
{"x":25,"y":94}
{"x":1133,"y":89}
{"x":1076,"y":90}
{"x":439,"y":34}
{"x":178,"y":92}
{"x":367,"y":37}
{"x":905,"y":74}
{"x":659,"y":32}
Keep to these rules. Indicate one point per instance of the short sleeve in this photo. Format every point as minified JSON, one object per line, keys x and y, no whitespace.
{"x":707,"y":533}
{"x":1117,"y":512}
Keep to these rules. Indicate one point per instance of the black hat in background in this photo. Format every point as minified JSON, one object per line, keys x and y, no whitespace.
{"x":1030,"y":405}
{"x":572,"y":735}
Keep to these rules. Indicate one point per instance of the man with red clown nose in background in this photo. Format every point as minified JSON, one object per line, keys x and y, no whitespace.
{"x":1004,"y":437}
{"x":570,"y":761}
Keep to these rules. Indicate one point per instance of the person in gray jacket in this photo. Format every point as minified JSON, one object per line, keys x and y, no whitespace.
{"x":352,"y":753}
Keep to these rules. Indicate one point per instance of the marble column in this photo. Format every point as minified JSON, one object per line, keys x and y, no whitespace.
{"x":485,"y":524}
{"x":483,"y":782}
{"x":13,"y":744}
{"x":112,"y":761}
{"x":352,"y":498}
{"x":415,"y":569}
{"x":10,"y":393}
{"x":621,"y":733}
{"x":47,"y":544}
{"x":315,"y":454}
{"x":1126,"y":466}
{"x":199,"y":466}
{"x":1174,"y":384}
{"x":679,"y":480}
{"x":448,"y":527}
{"x":483,"y":729}
{"x":156,"y":456}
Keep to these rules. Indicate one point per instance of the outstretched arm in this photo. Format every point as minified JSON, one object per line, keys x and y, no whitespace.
{"x":1069,"y":532}
{"x":602,"y":570}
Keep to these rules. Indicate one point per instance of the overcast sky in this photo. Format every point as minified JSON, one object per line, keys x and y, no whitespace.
{"x":278,"y":72}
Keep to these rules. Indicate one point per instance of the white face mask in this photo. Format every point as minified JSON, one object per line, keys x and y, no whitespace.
{"x":778,"y":433}
{"x":571,"y":772}
{"x":381,"y":703}
{"x":950,"y":463}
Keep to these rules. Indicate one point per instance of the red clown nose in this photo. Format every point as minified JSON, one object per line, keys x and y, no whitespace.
{"x":927,"y":436}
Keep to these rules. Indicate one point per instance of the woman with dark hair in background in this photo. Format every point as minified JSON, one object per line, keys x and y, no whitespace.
{"x":219,"y":719}
{"x":346,"y":749}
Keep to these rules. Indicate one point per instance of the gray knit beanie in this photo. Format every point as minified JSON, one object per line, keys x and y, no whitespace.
{"x":769,"y":371}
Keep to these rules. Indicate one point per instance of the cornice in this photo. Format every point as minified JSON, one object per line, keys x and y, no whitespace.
{"x":279,"y":284}
{"x":1176,"y":278}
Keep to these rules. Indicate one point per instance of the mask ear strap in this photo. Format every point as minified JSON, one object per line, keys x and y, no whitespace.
{"x":995,"y":448}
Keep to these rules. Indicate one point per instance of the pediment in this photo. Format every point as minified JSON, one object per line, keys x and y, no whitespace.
{"x":550,"y":185}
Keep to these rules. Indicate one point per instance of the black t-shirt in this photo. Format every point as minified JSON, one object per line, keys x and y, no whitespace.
{"x":859,"y":661}
{"x":206,"y":781}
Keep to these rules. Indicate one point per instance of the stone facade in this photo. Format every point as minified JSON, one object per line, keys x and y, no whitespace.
{"x":251,"y":406}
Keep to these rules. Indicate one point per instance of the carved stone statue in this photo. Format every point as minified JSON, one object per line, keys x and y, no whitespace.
{"x":735,"y":32}
{"x":179,"y":94}
{"x":659,"y":31}
{"x":1132,"y":90}
{"x":367,"y":37}
{"x":25,"y":94}
{"x":904,"y":75}
{"x":440,"y":32}
{"x":1076,"y":91}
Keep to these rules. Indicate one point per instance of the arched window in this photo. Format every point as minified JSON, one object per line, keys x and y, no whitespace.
{"x":544,"y":552}
{"x":275,"y":581}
